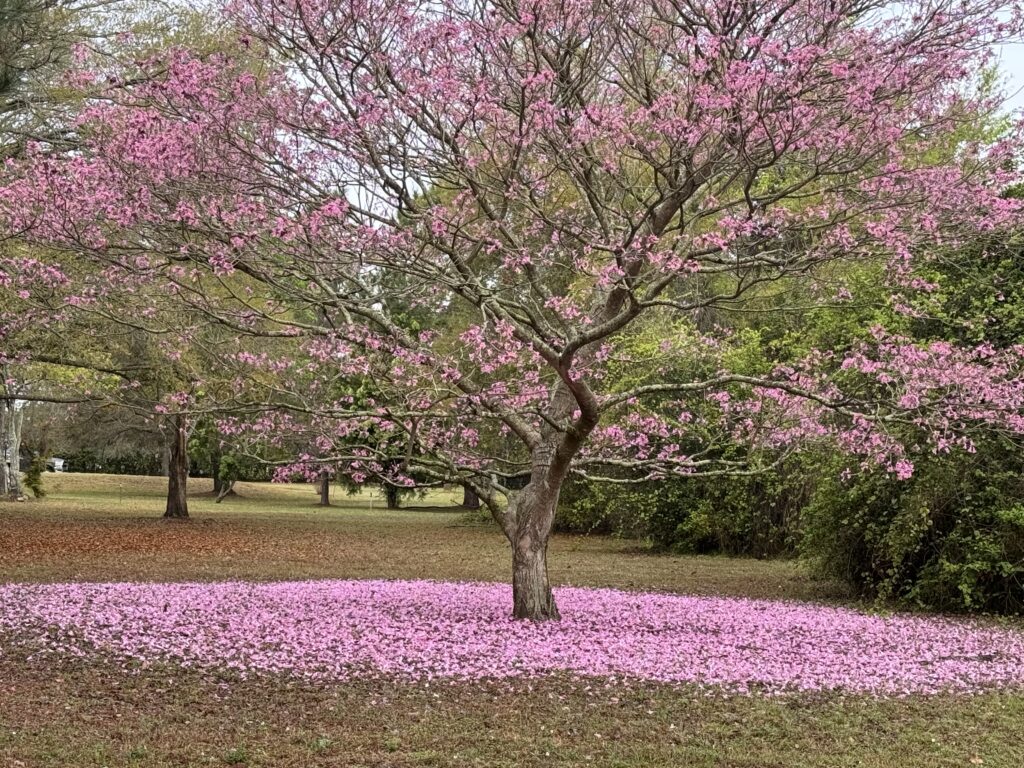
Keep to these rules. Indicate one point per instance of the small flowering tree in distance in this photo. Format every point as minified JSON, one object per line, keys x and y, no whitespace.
{"x":471,"y":203}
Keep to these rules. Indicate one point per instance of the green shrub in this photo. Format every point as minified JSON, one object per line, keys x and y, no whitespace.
{"x":129,"y":463}
{"x":617,"y":510}
{"x":757,"y":515}
{"x":33,"y":476}
{"x":949,"y":538}
{"x":981,"y":566}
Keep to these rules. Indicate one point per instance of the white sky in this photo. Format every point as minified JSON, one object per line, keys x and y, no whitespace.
{"x":1012,"y":65}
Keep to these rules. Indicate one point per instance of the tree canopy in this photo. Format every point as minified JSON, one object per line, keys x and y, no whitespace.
{"x":545,"y":182}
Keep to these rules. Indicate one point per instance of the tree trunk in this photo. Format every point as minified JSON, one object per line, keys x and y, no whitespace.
{"x":177,"y":475}
{"x":226,"y":489}
{"x":392,"y":497}
{"x":532,"y":597}
{"x":11,"y":417}
{"x":469,"y":498}
{"x":325,"y":489}
{"x":530,"y":515}
{"x":218,"y":484}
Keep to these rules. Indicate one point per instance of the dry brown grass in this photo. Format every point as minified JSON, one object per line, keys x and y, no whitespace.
{"x":92,"y":716}
{"x":108,"y":528}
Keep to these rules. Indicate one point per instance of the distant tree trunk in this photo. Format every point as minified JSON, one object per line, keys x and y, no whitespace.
{"x":11,"y":417}
{"x":177,"y":476}
{"x":391,"y":492}
{"x":325,"y":489}
{"x":469,"y":498}
{"x":226,"y":489}
{"x":215,"y":471}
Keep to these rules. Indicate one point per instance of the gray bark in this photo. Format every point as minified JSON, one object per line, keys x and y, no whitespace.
{"x":325,"y":489}
{"x":11,"y":418}
{"x":532,"y":597}
{"x":177,"y":475}
{"x":227,"y":488}
{"x":531,"y":512}
{"x":469,"y":498}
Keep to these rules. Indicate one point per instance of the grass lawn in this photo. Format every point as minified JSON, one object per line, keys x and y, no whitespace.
{"x":71,"y":712}
{"x":108,"y":528}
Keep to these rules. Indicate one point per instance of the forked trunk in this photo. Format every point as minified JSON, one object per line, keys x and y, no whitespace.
{"x":530,"y":516}
{"x":177,"y":471}
{"x":227,"y":488}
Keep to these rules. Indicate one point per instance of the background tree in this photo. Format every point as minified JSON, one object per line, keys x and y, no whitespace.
{"x":69,"y":335}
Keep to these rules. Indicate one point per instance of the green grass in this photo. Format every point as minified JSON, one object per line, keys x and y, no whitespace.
{"x":104,"y":527}
{"x":71,"y":713}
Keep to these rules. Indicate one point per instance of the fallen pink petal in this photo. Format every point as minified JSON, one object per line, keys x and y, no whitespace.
{"x":422,"y":630}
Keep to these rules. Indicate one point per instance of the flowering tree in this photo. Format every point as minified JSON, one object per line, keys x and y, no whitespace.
{"x":471,"y":204}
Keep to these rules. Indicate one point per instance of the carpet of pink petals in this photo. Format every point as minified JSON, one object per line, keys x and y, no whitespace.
{"x":420,"y":630}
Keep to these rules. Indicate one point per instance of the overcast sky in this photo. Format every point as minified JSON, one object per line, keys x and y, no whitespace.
{"x":1012,"y":60}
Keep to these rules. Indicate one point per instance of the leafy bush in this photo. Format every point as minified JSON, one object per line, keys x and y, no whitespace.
{"x":618,"y":510}
{"x":951,"y":537}
{"x":132,"y":463}
{"x":981,"y":567}
{"x":33,"y":476}
{"x":757,"y":515}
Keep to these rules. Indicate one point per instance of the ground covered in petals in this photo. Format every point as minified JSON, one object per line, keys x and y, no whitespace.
{"x":59,"y":710}
{"x":415,"y":630}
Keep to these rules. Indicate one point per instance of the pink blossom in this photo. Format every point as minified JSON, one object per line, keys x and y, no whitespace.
{"x":418,"y":630}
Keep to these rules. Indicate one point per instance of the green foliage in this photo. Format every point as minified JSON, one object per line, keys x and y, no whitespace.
{"x":210,"y":457}
{"x":237,"y":756}
{"x":982,"y":564}
{"x":756,"y":515}
{"x":979,"y":295}
{"x":606,"y":509}
{"x":231,"y":468}
{"x":126,"y":463}
{"x":33,"y":476}
{"x":950,"y":538}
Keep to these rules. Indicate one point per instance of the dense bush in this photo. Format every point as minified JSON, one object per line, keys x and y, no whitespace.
{"x":757,"y":515}
{"x":33,"y":476}
{"x":951,"y":537}
{"x":130,"y":463}
{"x":210,"y":457}
{"x":229,"y":467}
